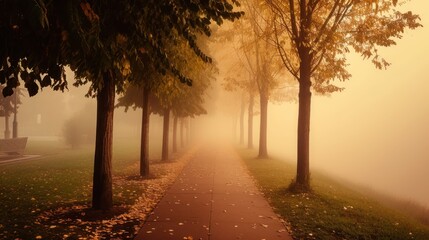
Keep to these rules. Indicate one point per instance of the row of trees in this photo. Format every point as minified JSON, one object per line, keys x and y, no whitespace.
{"x":107,"y":44}
{"x":164,"y":95}
{"x":310,"y":39}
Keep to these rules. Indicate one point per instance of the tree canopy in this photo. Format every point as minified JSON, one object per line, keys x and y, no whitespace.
{"x":313,"y":38}
{"x":331,"y":29}
{"x":106,"y":44}
{"x":38,"y":38}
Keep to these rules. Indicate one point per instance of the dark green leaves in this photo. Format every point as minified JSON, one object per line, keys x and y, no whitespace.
{"x":37,"y":39}
{"x":7,"y":91}
{"x":32,"y":88}
{"x":46,"y":81}
{"x":55,"y":72}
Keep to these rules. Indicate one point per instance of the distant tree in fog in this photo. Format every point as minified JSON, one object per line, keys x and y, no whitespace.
{"x":139,"y":96}
{"x":262,"y":62}
{"x":179,"y":99}
{"x":79,"y":129}
{"x":257,"y":59}
{"x":9,"y":105}
{"x":313,"y":38}
{"x":161,"y":94}
{"x":239,"y":79}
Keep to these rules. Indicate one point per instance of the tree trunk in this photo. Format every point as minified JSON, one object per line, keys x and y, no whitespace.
{"x":102,"y":180}
{"x":144,"y":143}
{"x":303,"y":162}
{"x":250,"y":122}
{"x":15,"y":118}
{"x":175,"y":134}
{"x":263,"y":153}
{"x":182,"y":126}
{"x":188,"y":138}
{"x":6,"y":125}
{"x":165,"y":132}
{"x":234,"y":123}
{"x":242,"y":111}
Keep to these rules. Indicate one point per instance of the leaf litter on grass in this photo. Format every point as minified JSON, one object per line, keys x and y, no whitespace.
{"x":79,"y":221}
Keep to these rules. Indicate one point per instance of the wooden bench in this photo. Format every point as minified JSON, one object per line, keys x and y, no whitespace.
{"x":13,"y":146}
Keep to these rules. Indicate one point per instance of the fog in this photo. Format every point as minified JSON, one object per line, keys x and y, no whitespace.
{"x":375,"y":132}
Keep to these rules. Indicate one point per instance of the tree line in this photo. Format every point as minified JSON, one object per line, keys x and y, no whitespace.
{"x":109,"y":45}
{"x":279,"y":41}
{"x":154,"y":54}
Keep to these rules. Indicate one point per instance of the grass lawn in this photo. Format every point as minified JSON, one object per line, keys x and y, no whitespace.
{"x":49,"y":197}
{"x":331,"y":210}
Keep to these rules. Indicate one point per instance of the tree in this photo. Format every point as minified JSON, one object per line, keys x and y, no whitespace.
{"x":313,"y":37}
{"x":160,"y":93}
{"x":102,"y":41}
{"x":242,"y":110}
{"x":140,"y":96}
{"x":75,"y":133}
{"x":6,"y":108}
{"x":9,"y":105}
{"x":16,"y":101}
{"x":265,"y":66}
{"x":258,"y":56}
{"x":181,"y":100}
{"x":241,"y":77}
{"x":188,"y":102}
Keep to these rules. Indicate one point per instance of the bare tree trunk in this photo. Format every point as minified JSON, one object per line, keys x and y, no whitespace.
{"x":250,"y":122}
{"x":15,"y":111}
{"x":144,"y":143}
{"x":303,"y":154}
{"x":102,"y":198}
{"x":6,"y":125}
{"x":189,"y":132}
{"x":175,"y":134}
{"x":182,"y":126}
{"x":165,"y":133}
{"x":234,"y":123}
{"x":263,"y":152}
{"x":242,"y":111}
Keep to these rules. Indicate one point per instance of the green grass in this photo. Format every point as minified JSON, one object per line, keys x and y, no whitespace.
{"x":331,"y":210}
{"x":61,"y":178}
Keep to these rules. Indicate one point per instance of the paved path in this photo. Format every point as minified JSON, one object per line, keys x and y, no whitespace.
{"x":213,"y":198}
{"x":8,"y":159}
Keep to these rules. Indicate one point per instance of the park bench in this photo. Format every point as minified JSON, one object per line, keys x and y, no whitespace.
{"x":13,"y":146}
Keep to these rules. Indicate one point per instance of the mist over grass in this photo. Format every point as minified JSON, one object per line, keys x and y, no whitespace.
{"x":331,"y":210}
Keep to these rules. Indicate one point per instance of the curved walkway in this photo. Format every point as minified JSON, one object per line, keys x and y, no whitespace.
{"x":213,"y":198}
